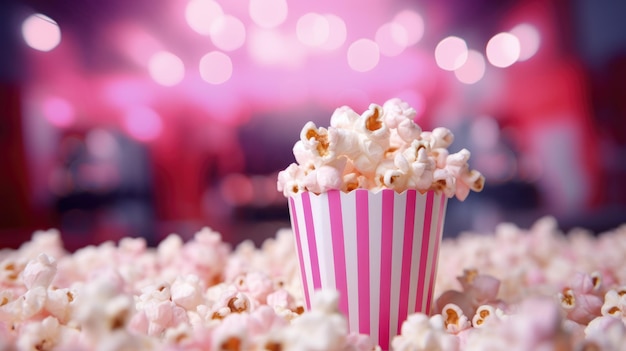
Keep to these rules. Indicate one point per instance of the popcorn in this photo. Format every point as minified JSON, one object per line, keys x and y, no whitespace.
{"x":186,"y":291}
{"x":582,"y":299}
{"x":383,"y":148}
{"x":455,"y":320}
{"x":509,"y":296}
{"x":39,"y":272}
{"x":419,"y":332}
{"x":485,"y":315}
{"x":605,"y":333}
{"x":323,"y":328}
{"x":478,"y":289}
{"x":615,"y":303}
{"x":40,"y":336}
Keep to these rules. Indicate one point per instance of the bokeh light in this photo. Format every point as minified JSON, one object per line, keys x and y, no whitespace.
{"x":166,"y":68}
{"x":337,"y":32}
{"x":41,"y":32}
{"x":313,"y":29}
{"x":59,"y":112}
{"x":201,"y":14}
{"x":228,"y":33}
{"x":473,"y":69}
{"x":529,"y":39}
{"x":268,"y":13}
{"x":271,"y":47}
{"x":503,"y":50}
{"x":102,"y":144}
{"x":413,"y":23}
{"x":216,"y":67}
{"x":143,"y":123}
{"x":363,"y":55}
{"x":392,"y":39}
{"x":451,"y":53}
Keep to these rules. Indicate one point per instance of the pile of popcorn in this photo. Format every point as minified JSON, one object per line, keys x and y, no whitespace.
{"x":383,"y":148}
{"x":516,"y":289}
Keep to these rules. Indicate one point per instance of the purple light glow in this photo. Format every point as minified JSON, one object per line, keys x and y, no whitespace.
{"x":59,"y":112}
{"x":142,"y":123}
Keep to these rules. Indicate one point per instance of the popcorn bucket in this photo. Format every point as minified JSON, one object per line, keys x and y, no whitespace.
{"x":379,"y":250}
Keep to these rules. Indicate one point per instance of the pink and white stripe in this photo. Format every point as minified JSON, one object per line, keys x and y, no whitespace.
{"x":379,"y":250}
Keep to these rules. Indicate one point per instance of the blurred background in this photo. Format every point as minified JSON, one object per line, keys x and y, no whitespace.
{"x":143,"y":118}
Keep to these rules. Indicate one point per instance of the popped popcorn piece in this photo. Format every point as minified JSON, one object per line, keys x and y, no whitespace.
{"x":419,"y":332}
{"x":322,"y":328}
{"x":187,"y":291}
{"x":605,"y":333}
{"x":454,"y":319}
{"x":582,"y":298}
{"x":40,"y":336}
{"x":615,"y":303}
{"x":485,"y":315}
{"x":231,"y":301}
{"x":60,"y":303}
{"x":39,"y":272}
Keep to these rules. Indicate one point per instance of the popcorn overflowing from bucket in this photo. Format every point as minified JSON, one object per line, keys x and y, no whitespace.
{"x":367,"y":201}
{"x":383,"y":148}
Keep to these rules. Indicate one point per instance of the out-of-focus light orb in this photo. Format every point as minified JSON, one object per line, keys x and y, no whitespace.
{"x":503,"y":50}
{"x":102,"y":144}
{"x":529,"y":39}
{"x":268,"y":13}
{"x":451,"y":53}
{"x":473,"y":69}
{"x":392,"y":39}
{"x":313,"y":29}
{"x":201,"y":14}
{"x":413,"y":23}
{"x":336,"y":32}
{"x":59,"y":112}
{"x":216,"y":67}
{"x":143,"y":123}
{"x":271,"y":47}
{"x":166,"y":68}
{"x":228,"y":33}
{"x":41,"y":32}
{"x":363,"y":55}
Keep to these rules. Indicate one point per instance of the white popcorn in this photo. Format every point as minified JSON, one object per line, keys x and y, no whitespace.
{"x":485,"y":315}
{"x":454,"y":318}
{"x":39,"y":272}
{"x":187,"y":292}
{"x":40,"y":336}
{"x":60,"y":303}
{"x":615,"y":303}
{"x":605,"y":333}
{"x":397,"y":112}
{"x":383,"y":148}
{"x":315,"y":143}
{"x":323,"y":328}
{"x":419,"y":332}
{"x":344,"y":118}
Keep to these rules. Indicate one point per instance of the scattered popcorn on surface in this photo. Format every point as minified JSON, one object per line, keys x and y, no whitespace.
{"x":515,"y":289}
{"x":383,"y":148}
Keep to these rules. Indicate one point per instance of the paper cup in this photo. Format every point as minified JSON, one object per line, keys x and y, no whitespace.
{"x":379,"y":250}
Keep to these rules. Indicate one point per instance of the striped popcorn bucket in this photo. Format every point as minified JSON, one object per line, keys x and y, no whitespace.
{"x":379,"y":250}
